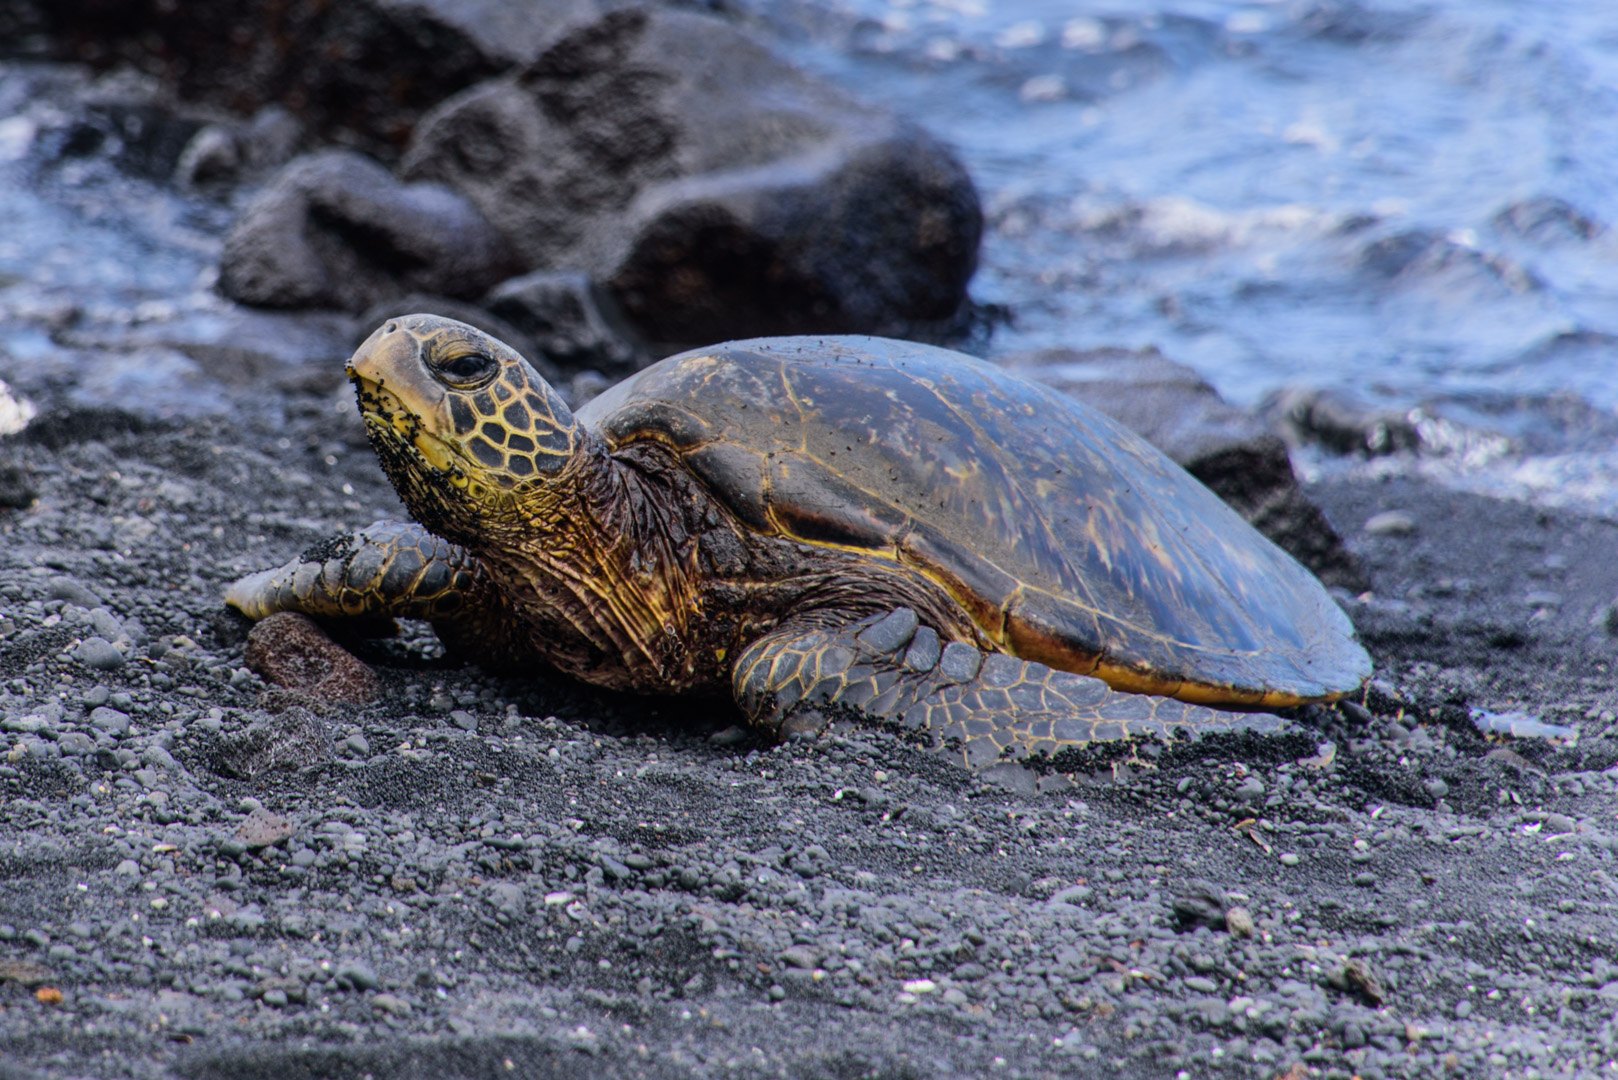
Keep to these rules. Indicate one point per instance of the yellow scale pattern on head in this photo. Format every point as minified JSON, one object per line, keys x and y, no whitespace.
{"x":510,"y":428}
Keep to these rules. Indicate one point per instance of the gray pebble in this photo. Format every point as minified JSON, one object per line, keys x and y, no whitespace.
{"x":1201,"y":984}
{"x":99,"y":653}
{"x":359,"y":974}
{"x":111,"y":721}
{"x":158,"y":758}
{"x":800,"y":956}
{"x":1289,"y":859}
{"x":1365,"y":879}
{"x":1073,"y":894}
{"x":74,"y":592}
{"x":128,"y":867}
{"x":392,"y":1004}
{"x":76,"y":744}
{"x":1390,"y":523}
{"x":464,"y":720}
{"x":1463,"y":1009}
{"x":106,"y":623}
{"x":1556,"y":824}
{"x":1437,"y":787}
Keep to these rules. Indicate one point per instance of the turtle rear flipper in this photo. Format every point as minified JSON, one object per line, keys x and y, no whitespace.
{"x":989,"y":705}
{"x":388,"y":570}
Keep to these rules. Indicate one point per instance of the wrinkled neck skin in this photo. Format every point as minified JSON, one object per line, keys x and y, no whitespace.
{"x":590,"y":563}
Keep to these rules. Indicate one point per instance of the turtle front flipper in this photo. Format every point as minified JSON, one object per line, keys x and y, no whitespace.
{"x":385,"y":571}
{"x":989,"y":705}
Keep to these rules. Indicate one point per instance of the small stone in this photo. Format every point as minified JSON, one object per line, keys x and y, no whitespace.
{"x":1357,"y":974}
{"x":129,"y":868}
{"x":290,"y":650}
{"x":1201,"y":902}
{"x":358,"y":974}
{"x":464,"y":720}
{"x":111,"y":721}
{"x":1073,"y":894}
{"x":778,"y":992}
{"x":1463,"y":1009}
{"x":261,"y":829}
{"x":76,"y":744}
{"x":1201,"y":984}
{"x":74,"y":592}
{"x":1239,"y":921}
{"x":1437,"y":787}
{"x":1390,"y":523}
{"x":1289,"y":859}
{"x":391,"y":1004}
{"x":294,"y":739}
{"x":158,"y":758}
{"x":800,"y":956}
{"x":99,"y":653}
{"x":971,"y":971}
{"x":1365,"y":879}
{"x":730,"y":736}
{"x":1251,"y":790}
{"x":106,"y":623}
{"x":1559,"y":824}
{"x":919,"y":986}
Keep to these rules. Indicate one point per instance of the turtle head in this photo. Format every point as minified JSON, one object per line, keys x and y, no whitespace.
{"x":464,"y":427}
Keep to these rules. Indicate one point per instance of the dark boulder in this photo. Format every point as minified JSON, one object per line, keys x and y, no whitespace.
{"x":1226,"y":448}
{"x":359,"y":72}
{"x":335,"y":229}
{"x":712,"y":188}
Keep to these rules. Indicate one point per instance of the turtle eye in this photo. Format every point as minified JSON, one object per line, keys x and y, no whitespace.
{"x":465,"y":371}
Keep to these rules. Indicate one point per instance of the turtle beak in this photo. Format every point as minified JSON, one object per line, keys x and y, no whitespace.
{"x":395,"y":391}
{"x":390,"y":355}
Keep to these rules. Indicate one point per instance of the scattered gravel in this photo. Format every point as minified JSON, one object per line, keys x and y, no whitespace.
{"x":470,"y":868}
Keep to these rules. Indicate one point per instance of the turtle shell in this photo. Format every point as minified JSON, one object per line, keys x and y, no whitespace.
{"x":1069,"y":539}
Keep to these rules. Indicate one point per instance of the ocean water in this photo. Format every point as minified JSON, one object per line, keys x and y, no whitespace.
{"x":1414,"y":203}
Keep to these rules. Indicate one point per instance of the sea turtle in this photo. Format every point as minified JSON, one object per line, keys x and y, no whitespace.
{"x":822,"y":525}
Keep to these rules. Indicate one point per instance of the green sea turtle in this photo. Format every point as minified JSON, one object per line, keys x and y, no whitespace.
{"x":822,"y":525}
